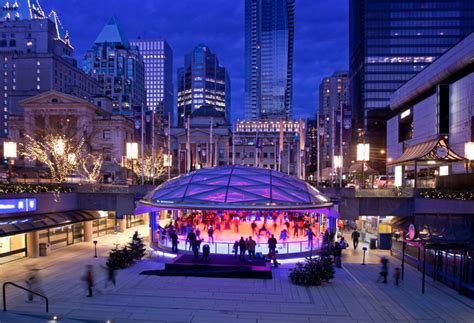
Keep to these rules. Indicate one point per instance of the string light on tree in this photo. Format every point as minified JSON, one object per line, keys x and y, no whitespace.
{"x":59,"y":153}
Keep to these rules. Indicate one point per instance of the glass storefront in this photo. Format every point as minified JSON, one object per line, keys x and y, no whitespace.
{"x":105,"y":225}
{"x":62,"y":236}
{"x":12,"y":248}
{"x":135,"y":220}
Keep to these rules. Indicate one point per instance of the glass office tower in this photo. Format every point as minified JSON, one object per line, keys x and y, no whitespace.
{"x":202,"y":82}
{"x":269,"y":36}
{"x":392,"y":40}
{"x":119,"y":68}
{"x":158,"y":58}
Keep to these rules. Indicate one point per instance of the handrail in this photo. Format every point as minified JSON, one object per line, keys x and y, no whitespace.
{"x":26,"y":289}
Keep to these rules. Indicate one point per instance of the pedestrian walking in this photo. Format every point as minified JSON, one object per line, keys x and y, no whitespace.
{"x":250,"y":245}
{"x":242,"y":248}
{"x":174,"y":242}
{"x":383,"y":270}
{"x":135,"y":236}
{"x":284,"y":236}
{"x":355,"y":238}
{"x":210,"y":233}
{"x":397,"y":276}
{"x":198,"y":233}
{"x":191,"y":238}
{"x":295,"y":229}
{"x":343,"y":243}
{"x":337,"y":252}
{"x":196,"y":247}
{"x":33,"y":282}
{"x":236,"y":224}
{"x":272,"y":243}
{"x":111,"y":275}
{"x":254,"y":228}
{"x":235,"y":248}
{"x":310,"y":235}
{"x":89,"y":279}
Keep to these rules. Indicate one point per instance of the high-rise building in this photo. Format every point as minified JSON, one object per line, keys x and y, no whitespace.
{"x":158,"y":58}
{"x":392,"y":40}
{"x":269,"y":36}
{"x":202,"y":82}
{"x":36,"y":56}
{"x":119,"y":68}
{"x":333,"y":100}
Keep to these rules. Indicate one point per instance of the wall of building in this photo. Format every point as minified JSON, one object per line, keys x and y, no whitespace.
{"x":461,"y":115}
{"x":394,"y":147}
{"x":425,"y":120}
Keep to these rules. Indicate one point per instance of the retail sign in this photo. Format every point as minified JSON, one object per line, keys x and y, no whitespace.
{"x":8,"y":206}
{"x":442,"y":152}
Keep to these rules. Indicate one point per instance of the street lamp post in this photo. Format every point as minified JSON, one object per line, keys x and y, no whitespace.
{"x":10,"y":153}
{"x":132,"y":154}
{"x":363,"y":155}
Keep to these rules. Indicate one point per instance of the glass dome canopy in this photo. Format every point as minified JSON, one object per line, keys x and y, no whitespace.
{"x":236,"y":188}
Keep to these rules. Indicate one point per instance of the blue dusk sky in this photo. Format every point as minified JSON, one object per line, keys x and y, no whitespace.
{"x":321,"y":36}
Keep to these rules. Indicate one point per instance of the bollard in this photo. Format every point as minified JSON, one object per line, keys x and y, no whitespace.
{"x":363,"y":259}
{"x":95,"y":248}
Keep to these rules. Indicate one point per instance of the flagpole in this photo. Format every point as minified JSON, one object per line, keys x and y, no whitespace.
{"x":153,"y":147}
{"x":318,"y":133}
{"x":211,"y":148}
{"x":302,"y":148}
{"x":256,"y":147}
{"x":333,"y":143}
{"x":188,"y":146}
{"x":143,"y":144}
{"x":341,"y":160}
{"x":233,"y":144}
{"x":281,"y":143}
{"x":275,"y":152}
{"x":289,"y":154}
{"x":169,"y":145}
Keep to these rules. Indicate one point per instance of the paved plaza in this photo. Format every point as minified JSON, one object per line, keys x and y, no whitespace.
{"x":353,"y":296}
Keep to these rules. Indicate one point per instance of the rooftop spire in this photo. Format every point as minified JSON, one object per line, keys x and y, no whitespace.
{"x":113,"y":33}
{"x":60,"y":31}
{"x":21,"y":10}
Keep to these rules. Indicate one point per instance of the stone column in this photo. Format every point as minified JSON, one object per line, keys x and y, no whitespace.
{"x":146,"y":218}
{"x":32,"y":244}
{"x":123,"y":224}
{"x":88,"y":229}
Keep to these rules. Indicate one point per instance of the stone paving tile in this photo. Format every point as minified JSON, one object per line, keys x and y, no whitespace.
{"x":353,"y":296}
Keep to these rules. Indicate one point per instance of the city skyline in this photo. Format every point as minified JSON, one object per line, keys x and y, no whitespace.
{"x":319,"y":29}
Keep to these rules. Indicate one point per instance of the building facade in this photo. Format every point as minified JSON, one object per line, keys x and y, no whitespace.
{"x":269,"y":38}
{"x":434,"y":119}
{"x":258,"y":143}
{"x":158,"y":59}
{"x":202,"y":82}
{"x":118,"y":67}
{"x":37,"y":56}
{"x":333,"y":102}
{"x":204,"y":144}
{"x":56,"y":112}
{"x":391,"y":41}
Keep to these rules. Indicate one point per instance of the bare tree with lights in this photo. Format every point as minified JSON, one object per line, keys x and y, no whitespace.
{"x":58,"y":152}
{"x":153,"y":166}
{"x":91,"y":166}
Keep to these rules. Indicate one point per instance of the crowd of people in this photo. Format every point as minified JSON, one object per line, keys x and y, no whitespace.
{"x":207,"y":224}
